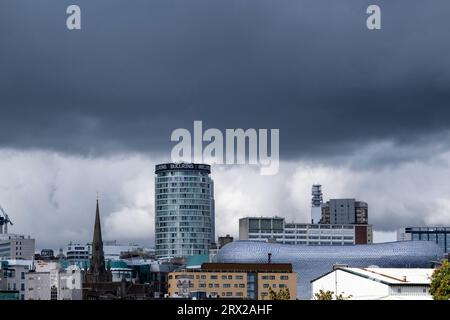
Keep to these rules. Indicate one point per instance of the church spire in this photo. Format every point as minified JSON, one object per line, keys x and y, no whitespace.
{"x":98,"y":257}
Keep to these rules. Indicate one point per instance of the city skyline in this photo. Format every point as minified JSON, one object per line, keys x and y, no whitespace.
{"x":148,"y":241}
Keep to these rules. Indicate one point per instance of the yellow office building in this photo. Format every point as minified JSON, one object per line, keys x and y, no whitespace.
{"x":233,"y":281}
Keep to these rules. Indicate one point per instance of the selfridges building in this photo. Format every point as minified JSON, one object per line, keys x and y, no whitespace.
{"x":311,"y":262}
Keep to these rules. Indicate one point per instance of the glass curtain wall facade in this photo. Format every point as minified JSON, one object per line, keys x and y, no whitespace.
{"x":438,"y":235}
{"x":184,"y":210}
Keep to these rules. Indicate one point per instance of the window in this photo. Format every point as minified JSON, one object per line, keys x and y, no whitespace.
{"x":265,"y":285}
{"x":284,"y":277}
{"x":226,"y":285}
{"x":213,"y":277}
{"x":224,"y":277}
{"x":54,"y":293}
{"x":239,"y":277}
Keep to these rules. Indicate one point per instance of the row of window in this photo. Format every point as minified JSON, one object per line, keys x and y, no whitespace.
{"x":224,"y":285}
{"x":183,"y":201}
{"x":211,"y":277}
{"x":182,"y":190}
{"x":181,"y":241}
{"x":14,"y":287}
{"x":280,"y":238}
{"x":184,"y":229}
{"x":183,"y":196}
{"x":181,"y":207}
{"x":167,"y":179}
{"x":204,"y":213}
{"x":322,"y":243}
{"x":274,"y":285}
{"x":172,"y":226}
{"x":317,"y":237}
{"x":161,"y":246}
{"x":182,"y":218}
{"x":204,"y":235}
{"x":273,"y":277}
{"x":223,"y":294}
{"x":166,"y":253}
{"x":182,"y":184}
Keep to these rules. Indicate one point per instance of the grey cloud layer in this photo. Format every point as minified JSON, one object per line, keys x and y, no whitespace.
{"x":52,"y":196}
{"x":139,"y":70}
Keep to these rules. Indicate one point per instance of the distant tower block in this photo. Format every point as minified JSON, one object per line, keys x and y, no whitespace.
{"x":316,"y":203}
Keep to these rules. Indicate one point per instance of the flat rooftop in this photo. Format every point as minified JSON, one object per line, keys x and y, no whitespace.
{"x":259,"y":267}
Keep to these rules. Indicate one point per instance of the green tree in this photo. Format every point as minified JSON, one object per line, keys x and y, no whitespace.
{"x":440,"y":282}
{"x":286,"y":294}
{"x":283,"y":294}
{"x":329,"y":295}
{"x":324,"y":295}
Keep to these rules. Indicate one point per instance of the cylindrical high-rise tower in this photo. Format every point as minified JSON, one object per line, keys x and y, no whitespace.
{"x":184,"y":209}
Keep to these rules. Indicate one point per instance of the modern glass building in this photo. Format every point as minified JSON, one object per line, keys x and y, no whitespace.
{"x":184,"y":209}
{"x":439,"y":235}
{"x":310,"y":262}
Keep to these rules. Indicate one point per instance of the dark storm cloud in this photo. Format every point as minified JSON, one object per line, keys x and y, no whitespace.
{"x":137,"y":70}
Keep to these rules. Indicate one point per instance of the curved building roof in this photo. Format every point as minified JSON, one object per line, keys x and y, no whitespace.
{"x":311,"y":262}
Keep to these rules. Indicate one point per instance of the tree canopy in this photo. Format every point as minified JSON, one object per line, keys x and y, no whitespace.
{"x":440,"y":282}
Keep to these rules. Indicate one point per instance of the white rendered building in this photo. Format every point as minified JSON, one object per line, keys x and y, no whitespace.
{"x":52,"y":283}
{"x":16,"y":246}
{"x":376,"y":283}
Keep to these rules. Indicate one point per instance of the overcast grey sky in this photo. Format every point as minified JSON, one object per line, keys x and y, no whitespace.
{"x":365,"y":113}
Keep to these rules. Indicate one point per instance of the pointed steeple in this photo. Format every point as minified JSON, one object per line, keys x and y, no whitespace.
{"x":98,"y":257}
